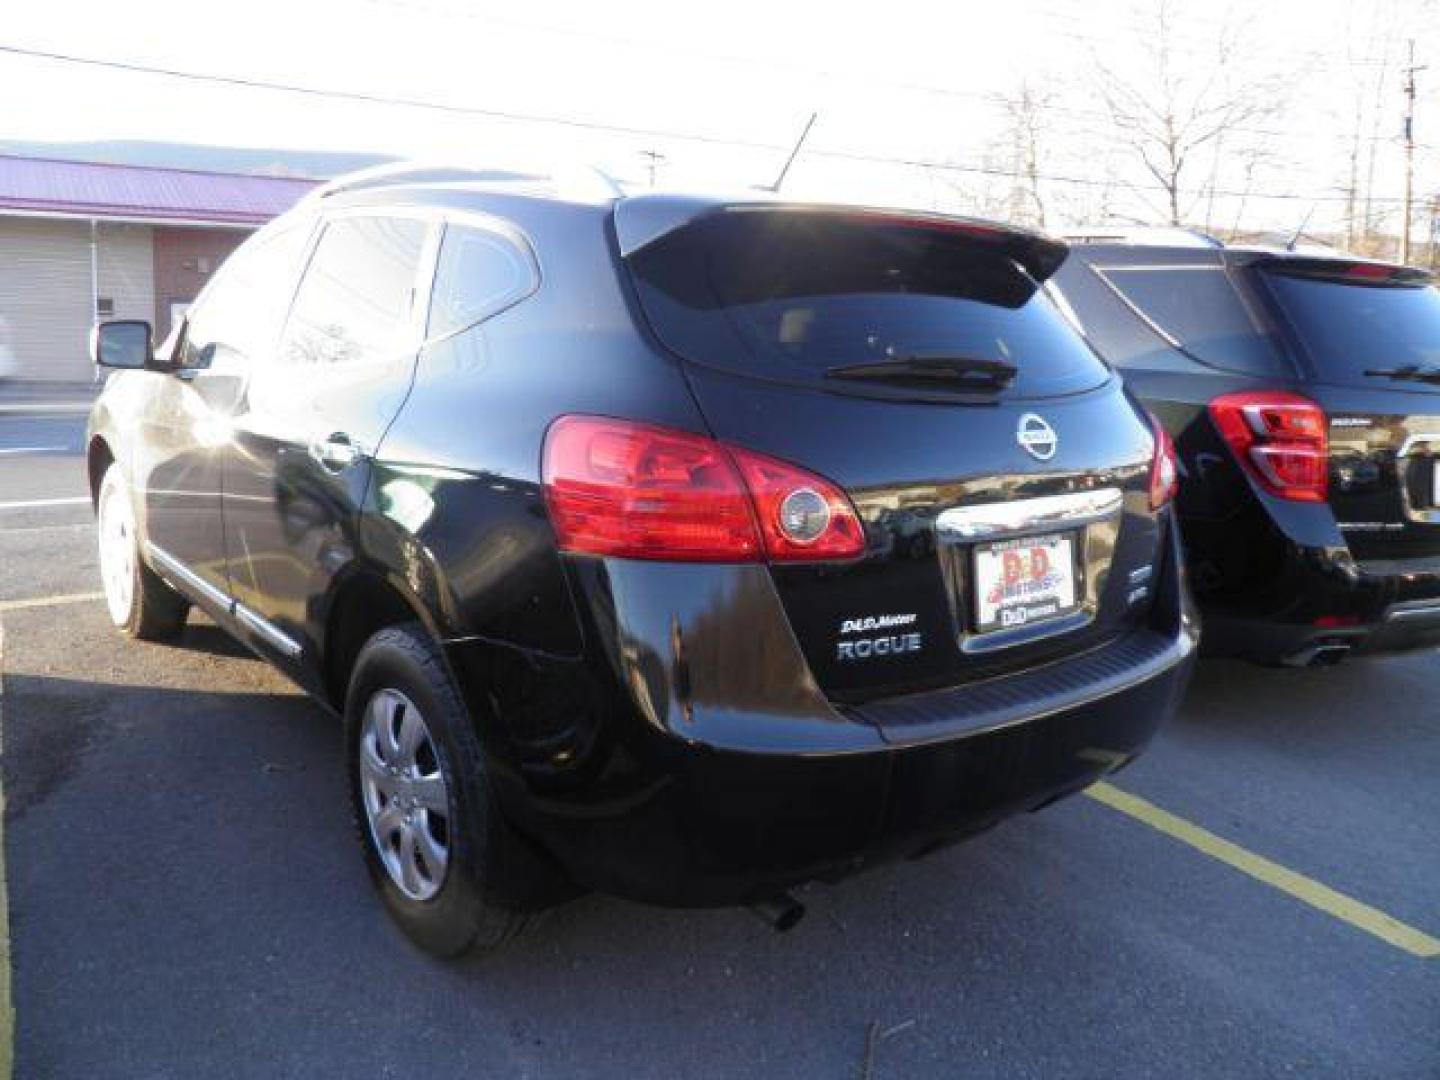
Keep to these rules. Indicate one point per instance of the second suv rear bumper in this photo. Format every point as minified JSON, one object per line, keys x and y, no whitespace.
{"x":1340,"y":608}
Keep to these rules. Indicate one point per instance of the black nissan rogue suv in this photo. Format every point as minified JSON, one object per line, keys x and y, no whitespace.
{"x":1303,"y":393}
{"x":675,"y":547}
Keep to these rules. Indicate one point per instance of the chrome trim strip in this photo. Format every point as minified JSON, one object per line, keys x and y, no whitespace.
{"x":273,"y":635}
{"x":189,"y":581}
{"x":1412,"y":609}
{"x":1402,"y":476}
{"x":170,"y":566}
{"x":1412,"y":613}
{"x":1413,"y":439}
{"x":1022,"y":516}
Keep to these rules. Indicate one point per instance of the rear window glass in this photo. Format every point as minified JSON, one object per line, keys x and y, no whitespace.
{"x":1347,"y":329}
{"x":1123,"y":337}
{"x":788,"y":295}
{"x":1198,"y":307}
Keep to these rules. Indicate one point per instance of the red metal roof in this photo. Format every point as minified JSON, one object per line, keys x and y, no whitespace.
{"x":92,"y":189}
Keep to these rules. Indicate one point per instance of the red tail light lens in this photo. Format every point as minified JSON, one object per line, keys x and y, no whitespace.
{"x":802,"y":517}
{"x":1282,"y":439}
{"x":1164,"y":468}
{"x":642,"y":492}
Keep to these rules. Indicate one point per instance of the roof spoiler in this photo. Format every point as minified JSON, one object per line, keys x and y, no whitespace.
{"x":642,"y":220}
{"x":1350,"y":271}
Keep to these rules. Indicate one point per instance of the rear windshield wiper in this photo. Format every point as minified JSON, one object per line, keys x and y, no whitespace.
{"x":939,"y":371}
{"x":1413,"y":372}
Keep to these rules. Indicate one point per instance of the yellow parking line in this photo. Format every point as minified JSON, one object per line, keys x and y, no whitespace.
{"x":49,"y":601}
{"x":1307,"y":890}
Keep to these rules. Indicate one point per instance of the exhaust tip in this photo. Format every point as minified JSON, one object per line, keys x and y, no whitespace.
{"x":1319,"y":655}
{"x":780,"y":911}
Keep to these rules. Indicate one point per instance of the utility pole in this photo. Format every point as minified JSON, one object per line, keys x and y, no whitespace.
{"x":1435,"y":233}
{"x":654,"y":159}
{"x":1409,"y":133}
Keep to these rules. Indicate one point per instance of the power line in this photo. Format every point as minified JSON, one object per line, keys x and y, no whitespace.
{"x":988,"y":96}
{"x":628,"y":130}
{"x":379,"y":99}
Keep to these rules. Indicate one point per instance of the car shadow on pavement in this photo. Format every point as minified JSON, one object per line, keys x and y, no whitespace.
{"x":206,"y":637}
{"x":187,"y":899}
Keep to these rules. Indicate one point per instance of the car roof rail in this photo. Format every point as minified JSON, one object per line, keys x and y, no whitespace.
{"x":580,"y":183}
{"x":1142,"y":236}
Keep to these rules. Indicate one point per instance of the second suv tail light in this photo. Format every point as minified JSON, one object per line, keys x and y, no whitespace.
{"x":1164,"y":468}
{"x":1281,"y":438}
{"x":641,"y":492}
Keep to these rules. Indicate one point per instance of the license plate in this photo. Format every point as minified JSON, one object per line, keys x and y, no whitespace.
{"x":1024,"y":581}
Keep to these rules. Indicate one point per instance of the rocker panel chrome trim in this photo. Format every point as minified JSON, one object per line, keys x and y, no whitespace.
{"x":188,"y":581}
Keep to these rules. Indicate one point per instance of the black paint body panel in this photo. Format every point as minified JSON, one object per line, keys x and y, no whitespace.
{"x":679,"y":733}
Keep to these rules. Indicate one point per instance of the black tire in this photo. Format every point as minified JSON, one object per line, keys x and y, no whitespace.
{"x":152,"y":610}
{"x":489,"y":886}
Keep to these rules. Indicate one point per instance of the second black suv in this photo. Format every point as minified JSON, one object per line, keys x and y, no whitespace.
{"x":1303,"y":393}
{"x":680,"y":548}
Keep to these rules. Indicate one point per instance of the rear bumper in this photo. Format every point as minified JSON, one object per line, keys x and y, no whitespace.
{"x":706,"y":772}
{"x":1338,"y":608}
{"x":720,"y":827}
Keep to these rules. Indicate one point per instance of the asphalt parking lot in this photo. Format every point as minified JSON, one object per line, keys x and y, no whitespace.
{"x":185,"y":897}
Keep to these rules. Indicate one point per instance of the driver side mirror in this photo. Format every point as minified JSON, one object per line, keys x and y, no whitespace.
{"x":122,"y":343}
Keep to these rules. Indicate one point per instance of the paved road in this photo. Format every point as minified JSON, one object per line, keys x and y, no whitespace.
{"x":186,"y":898}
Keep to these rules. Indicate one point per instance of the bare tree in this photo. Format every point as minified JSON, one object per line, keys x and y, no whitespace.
{"x":1371,"y":37}
{"x":1027,"y":124}
{"x":978,"y":188}
{"x":1174,"y":105}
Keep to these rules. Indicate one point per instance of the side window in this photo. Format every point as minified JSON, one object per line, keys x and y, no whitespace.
{"x":479,"y":274}
{"x":1199,"y":307}
{"x":354,"y":304}
{"x":238,"y":319}
{"x":1110,"y":325}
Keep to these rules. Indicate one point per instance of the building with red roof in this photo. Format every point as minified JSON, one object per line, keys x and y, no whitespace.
{"x":81,"y":241}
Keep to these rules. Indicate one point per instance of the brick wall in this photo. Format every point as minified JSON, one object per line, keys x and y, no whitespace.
{"x":185,"y":259}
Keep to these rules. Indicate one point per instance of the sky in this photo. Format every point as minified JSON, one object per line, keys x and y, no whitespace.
{"x":911,"y":97}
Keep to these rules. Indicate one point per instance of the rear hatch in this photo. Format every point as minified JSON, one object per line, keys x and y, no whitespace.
{"x":916,"y":364}
{"x":1369,"y":336}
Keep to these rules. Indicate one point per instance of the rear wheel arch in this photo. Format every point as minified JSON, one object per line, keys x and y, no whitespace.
{"x":363,"y":604}
{"x":98,"y":458}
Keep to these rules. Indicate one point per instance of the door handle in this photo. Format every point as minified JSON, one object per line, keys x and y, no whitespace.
{"x":335,"y":452}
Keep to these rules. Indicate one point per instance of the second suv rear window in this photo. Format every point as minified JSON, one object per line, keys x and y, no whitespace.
{"x":1198,"y":307}
{"x":788,"y":295}
{"x":1348,"y":329}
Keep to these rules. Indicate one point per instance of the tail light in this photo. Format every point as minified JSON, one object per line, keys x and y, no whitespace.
{"x":642,"y":492}
{"x":1164,"y":468}
{"x":1282,"y":439}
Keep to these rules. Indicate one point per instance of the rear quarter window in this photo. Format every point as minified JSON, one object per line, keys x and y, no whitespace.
{"x":787,"y":295}
{"x":480,"y":273}
{"x":1199,"y":308}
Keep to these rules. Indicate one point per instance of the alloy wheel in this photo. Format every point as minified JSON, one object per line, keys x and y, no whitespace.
{"x":407,"y":804}
{"x":115,"y":530}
